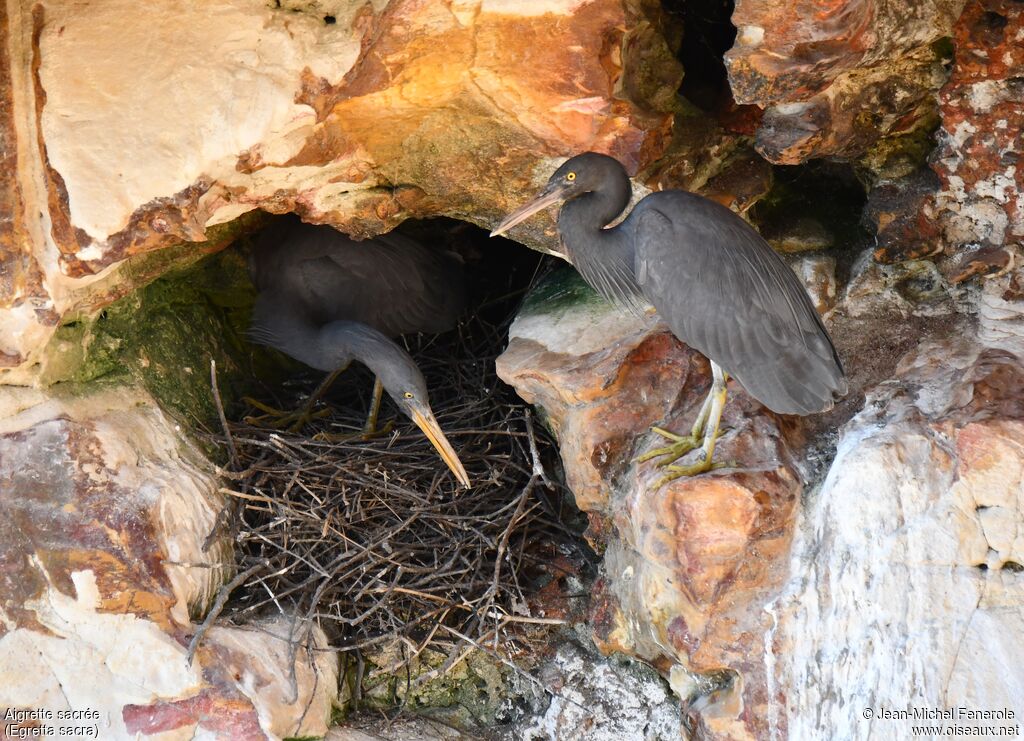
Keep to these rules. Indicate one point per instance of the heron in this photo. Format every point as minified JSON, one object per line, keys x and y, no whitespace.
{"x":715,"y":282}
{"x":327,"y":300}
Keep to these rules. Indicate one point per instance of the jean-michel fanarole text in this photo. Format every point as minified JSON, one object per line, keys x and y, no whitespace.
{"x":957,"y":713}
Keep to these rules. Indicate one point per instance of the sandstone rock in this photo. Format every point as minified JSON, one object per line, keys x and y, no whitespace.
{"x":776,"y":621}
{"x":900,"y":213}
{"x":139,"y":128}
{"x":588,"y":696}
{"x":564,"y":337}
{"x":700,"y":150}
{"x":407,"y":729}
{"x":991,"y":260}
{"x":804,"y":234}
{"x":602,"y":701}
{"x":835,"y":78}
{"x":981,"y":141}
{"x":108,"y":507}
{"x":743,"y":181}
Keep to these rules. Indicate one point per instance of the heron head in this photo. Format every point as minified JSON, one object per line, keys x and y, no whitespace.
{"x":402,"y":379}
{"x":581,"y":174}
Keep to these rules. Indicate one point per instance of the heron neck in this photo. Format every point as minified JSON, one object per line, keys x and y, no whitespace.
{"x":324,"y":347}
{"x":581,"y":221}
{"x":343,"y":341}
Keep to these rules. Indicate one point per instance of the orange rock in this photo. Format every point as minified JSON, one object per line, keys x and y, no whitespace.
{"x":836,"y":76}
{"x":981,"y":198}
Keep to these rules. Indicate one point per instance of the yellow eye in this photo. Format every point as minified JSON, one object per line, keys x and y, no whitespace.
{"x":408,"y":394}
{"x":570,"y":176}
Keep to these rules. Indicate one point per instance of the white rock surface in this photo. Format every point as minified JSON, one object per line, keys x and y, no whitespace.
{"x":609,"y":700}
{"x":163,"y":66}
{"x":906,"y":588}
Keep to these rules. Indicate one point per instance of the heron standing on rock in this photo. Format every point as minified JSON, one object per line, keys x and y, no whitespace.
{"x":711,"y":277}
{"x":326,"y":300}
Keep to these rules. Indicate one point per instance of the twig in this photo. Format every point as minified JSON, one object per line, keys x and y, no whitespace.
{"x":372,"y":540}
{"x":222,"y":597}
{"x":220,"y":413}
{"x":538,"y":467}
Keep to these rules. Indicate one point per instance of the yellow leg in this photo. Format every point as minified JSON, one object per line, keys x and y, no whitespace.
{"x":705,"y":433}
{"x":370,"y":428}
{"x":681,"y":444}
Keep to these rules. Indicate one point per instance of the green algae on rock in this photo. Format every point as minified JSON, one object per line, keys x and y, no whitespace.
{"x":165,"y":335}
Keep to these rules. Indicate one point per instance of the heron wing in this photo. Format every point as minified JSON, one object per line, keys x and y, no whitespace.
{"x":391,"y":283}
{"x":724,"y":291}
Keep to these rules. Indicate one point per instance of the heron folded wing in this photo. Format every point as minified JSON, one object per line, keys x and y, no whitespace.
{"x":391,"y":283}
{"x":724,"y":291}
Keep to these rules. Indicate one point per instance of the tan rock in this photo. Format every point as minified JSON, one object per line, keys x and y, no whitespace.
{"x":982,"y":106}
{"x":407,"y":729}
{"x":818,"y":272}
{"x":836,"y":77}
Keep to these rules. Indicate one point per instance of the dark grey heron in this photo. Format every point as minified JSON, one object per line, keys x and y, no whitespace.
{"x":711,"y":277}
{"x":326,"y":300}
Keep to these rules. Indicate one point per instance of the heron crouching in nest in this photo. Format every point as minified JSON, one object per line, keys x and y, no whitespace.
{"x":711,"y":277}
{"x":326,"y":300}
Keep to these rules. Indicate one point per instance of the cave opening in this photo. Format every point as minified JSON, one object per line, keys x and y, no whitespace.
{"x":708,"y":34}
{"x":498,"y":273}
{"x":815,"y":208}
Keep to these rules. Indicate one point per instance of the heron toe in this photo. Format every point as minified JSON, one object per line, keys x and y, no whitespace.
{"x":279,"y":419}
{"x":681,"y":445}
{"x":703,"y":465}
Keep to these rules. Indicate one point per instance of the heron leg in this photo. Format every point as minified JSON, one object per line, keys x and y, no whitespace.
{"x":682,"y":444}
{"x":711,"y":433}
{"x":370,"y":429}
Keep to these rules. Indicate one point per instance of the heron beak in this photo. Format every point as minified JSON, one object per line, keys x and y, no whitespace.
{"x":425,"y":420}
{"x":552,"y":194}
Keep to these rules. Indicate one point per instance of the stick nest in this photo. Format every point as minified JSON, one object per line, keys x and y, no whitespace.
{"x":374,"y":541}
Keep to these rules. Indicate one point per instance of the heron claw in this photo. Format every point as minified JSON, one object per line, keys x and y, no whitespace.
{"x":681,"y":445}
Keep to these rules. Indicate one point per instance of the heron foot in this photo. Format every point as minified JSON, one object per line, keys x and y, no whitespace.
{"x":280,"y":419}
{"x":681,"y":445}
{"x":701,"y":466}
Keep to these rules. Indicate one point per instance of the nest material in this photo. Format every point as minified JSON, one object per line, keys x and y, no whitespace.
{"x":373,"y":540}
